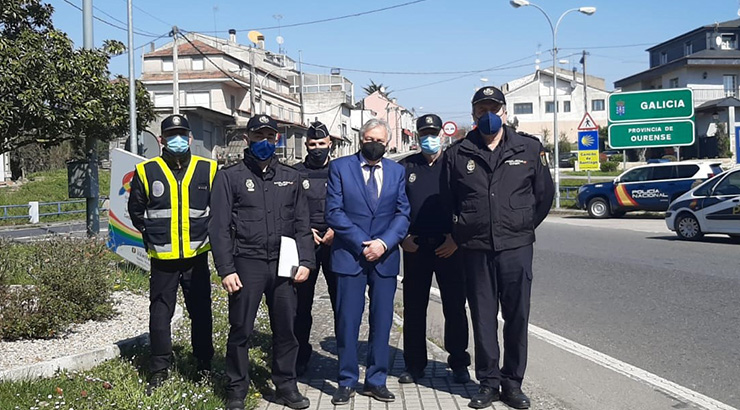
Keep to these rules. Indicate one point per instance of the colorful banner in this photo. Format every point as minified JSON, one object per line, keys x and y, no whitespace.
{"x":123,"y":238}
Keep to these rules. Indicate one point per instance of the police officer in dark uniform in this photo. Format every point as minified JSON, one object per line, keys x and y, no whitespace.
{"x":170,"y":195}
{"x":314,"y":173}
{"x":501,"y":190}
{"x":429,"y":248}
{"x":256,"y":201}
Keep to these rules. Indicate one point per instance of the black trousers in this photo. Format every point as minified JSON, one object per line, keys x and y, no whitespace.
{"x":193,"y":276}
{"x":418,"y":268}
{"x":259,"y":277}
{"x":303,"y":319}
{"x":503,"y":277}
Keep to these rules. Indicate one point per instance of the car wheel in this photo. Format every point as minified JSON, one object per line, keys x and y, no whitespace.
{"x":687,"y":227}
{"x":598,"y":208}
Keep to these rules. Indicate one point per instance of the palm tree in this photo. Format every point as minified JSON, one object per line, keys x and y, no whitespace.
{"x":383,"y":90}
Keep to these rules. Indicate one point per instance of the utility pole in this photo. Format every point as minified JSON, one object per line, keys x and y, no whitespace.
{"x":93,"y":213}
{"x":175,"y":74}
{"x":300,"y":76}
{"x":133,"y":140}
{"x":251,"y":81}
{"x":585,"y":85}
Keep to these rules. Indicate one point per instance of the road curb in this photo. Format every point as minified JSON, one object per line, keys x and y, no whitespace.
{"x":82,"y":361}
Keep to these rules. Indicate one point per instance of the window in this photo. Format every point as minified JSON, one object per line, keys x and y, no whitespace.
{"x":659,"y":173}
{"x":730,"y":84}
{"x":280,"y":111}
{"x":673,"y":83}
{"x":597,"y":105}
{"x":729,"y":186}
{"x":198,"y":99}
{"x":688,"y":48}
{"x":523,"y":108}
{"x":268,"y":109}
{"x":728,"y":42}
{"x":232,"y":101}
{"x":197,"y":64}
{"x":636,"y":175}
{"x":566,"y":106}
{"x":549,"y":107}
{"x":163,"y":100}
{"x":687,"y":171}
{"x":663,"y":57}
{"x":167,"y":64}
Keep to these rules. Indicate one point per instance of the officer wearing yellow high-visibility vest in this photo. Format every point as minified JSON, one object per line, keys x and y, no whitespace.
{"x":170,"y":204}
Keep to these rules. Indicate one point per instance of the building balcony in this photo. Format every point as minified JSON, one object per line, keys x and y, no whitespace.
{"x":703,"y":94}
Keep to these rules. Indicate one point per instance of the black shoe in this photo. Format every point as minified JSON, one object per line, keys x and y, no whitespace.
{"x":235,"y":404}
{"x":342,"y":395}
{"x":156,"y":381}
{"x":203,"y":366}
{"x":380,"y":393}
{"x":484,"y":398}
{"x":300,"y":369}
{"x":410,"y":376}
{"x":292,"y":399}
{"x":461,"y":375}
{"x":515,"y":398}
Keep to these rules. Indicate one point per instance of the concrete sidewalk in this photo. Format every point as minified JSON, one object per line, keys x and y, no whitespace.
{"x":435,"y":391}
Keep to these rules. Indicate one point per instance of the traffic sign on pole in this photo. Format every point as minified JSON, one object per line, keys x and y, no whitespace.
{"x":637,"y":106}
{"x":449,"y":128}
{"x":587,"y":123}
{"x":588,"y":149}
{"x":671,"y":133}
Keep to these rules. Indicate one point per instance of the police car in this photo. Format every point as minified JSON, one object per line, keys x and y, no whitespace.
{"x":649,"y":187}
{"x":712,"y":207}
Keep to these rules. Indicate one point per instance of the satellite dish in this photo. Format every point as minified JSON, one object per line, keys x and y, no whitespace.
{"x":718,"y":40}
{"x":280,"y":40}
{"x":255,"y":36}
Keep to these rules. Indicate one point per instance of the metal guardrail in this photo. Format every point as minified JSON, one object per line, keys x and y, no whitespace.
{"x":54,"y":208}
{"x":571,"y":192}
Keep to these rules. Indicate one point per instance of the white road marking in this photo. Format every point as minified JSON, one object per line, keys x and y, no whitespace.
{"x":618,"y":366}
{"x":637,"y":225}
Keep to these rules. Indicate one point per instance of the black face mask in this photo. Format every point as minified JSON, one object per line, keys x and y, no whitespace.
{"x":372,"y":151}
{"x":317,"y":156}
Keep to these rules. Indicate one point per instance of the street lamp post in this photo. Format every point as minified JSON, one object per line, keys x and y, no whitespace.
{"x":262,"y":80}
{"x":587,"y":11}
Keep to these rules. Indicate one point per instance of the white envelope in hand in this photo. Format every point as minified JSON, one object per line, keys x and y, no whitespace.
{"x":288,"y":261}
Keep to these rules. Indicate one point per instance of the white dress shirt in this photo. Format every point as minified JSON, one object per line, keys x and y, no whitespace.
{"x":378,"y":172}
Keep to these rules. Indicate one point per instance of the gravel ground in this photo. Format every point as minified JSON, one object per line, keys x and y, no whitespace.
{"x":131,"y":321}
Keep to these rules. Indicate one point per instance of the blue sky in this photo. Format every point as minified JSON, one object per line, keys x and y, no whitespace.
{"x":424,"y":37}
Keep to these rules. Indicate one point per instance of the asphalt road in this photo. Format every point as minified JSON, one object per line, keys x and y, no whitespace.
{"x":629,"y":289}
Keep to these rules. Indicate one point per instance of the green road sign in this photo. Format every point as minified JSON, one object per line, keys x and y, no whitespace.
{"x":676,"y":103}
{"x":673,"y":133}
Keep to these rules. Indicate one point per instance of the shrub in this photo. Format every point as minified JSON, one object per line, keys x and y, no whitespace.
{"x":616,"y":158}
{"x":609,"y":166}
{"x":57,"y":283}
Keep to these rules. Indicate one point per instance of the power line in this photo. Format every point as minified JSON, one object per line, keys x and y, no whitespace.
{"x":122,"y":22}
{"x":151,"y":15}
{"x":326,"y":20}
{"x":615,"y":46}
{"x":109,"y":23}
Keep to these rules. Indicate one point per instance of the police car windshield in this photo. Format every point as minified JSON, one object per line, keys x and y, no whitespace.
{"x":705,"y":189}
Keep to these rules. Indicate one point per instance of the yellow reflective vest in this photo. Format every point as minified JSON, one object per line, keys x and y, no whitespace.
{"x":177,"y":212}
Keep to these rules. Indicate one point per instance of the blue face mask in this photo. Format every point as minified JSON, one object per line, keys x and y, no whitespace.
{"x":178,"y":144}
{"x":489,"y":123}
{"x":262,"y":150}
{"x":430,"y":144}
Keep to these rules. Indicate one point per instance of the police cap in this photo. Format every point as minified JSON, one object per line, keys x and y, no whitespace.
{"x":317,"y":131}
{"x":175,"y":121}
{"x":429,"y":121}
{"x":261,"y":121}
{"x":489,"y":93}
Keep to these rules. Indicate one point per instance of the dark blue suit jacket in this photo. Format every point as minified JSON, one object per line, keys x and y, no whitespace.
{"x":349,"y":214}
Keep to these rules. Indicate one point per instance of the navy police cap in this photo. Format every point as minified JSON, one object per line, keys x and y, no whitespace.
{"x":489,"y":93}
{"x":317,"y":131}
{"x":175,"y":121}
{"x":261,"y":121}
{"x":428,"y":121}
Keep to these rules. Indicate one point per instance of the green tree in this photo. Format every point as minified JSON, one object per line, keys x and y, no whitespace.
{"x":53,"y":92}
{"x":372,"y":87}
{"x":564,"y":146}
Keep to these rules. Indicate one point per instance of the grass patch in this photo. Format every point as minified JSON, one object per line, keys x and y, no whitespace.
{"x":49,"y":186}
{"x":593,"y":173}
{"x":121,"y":383}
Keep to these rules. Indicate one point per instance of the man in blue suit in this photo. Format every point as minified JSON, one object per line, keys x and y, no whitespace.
{"x":367,"y":207}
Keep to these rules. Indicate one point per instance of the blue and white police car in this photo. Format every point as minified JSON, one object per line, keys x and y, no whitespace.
{"x":712,"y":207}
{"x":649,"y":187}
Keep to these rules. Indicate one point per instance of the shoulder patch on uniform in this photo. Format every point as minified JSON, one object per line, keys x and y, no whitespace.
{"x":306,"y":184}
{"x":543,"y":158}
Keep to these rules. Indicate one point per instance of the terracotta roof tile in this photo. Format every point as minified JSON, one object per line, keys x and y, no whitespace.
{"x":185,"y":49}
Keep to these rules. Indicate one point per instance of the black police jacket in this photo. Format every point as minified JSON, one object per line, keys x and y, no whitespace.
{"x":499,"y":198}
{"x":313,"y":182}
{"x":251,"y":210}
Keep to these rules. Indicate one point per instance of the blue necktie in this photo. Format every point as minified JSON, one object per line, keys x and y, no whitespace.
{"x":372,"y":186}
